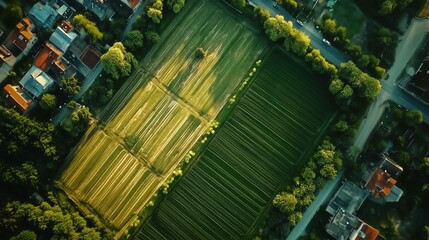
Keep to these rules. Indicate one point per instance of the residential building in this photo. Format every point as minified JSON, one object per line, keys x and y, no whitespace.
{"x":16,"y":45}
{"x":43,"y":15}
{"x":15,"y":98}
{"x":349,"y":197}
{"x":36,"y":82}
{"x":380,"y":180}
{"x":125,"y":8}
{"x":62,"y":39}
{"x":47,"y":56}
{"x":98,"y":7}
{"x":344,"y":225}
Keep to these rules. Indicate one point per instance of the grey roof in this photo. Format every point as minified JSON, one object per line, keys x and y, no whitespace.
{"x":342,"y":225}
{"x":349,"y":197}
{"x":61,"y":39}
{"x":43,"y":16}
{"x":36,"y":82}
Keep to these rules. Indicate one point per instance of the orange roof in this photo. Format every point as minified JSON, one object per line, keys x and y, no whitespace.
{"x":45,"y":57}
{"x":25,"y":22}
{"x":380,"y":183}
{"x":15,"y":98}
{"x":133,"y":3}
{"x":27,"y":34}
{"x":369,"y":233}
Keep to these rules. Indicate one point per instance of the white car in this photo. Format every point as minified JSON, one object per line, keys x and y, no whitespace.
{"x":299,"y":22}
{"x":326,"y":42}
{"x":276,"y":5}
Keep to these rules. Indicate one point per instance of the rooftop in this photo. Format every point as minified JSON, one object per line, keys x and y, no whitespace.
{"x":90,"y":57}
{"x":380,"y":183}
{"x":16,"y":98}
{"x":388,"y":164}
{"x":61,"y":39}
{"x":18,"y":39}
{"x":342,"y":225}
{"x":349,"y":197}
{"x":47,"y":56}
{"x":43,"y":15}
{"x":36,"y":82}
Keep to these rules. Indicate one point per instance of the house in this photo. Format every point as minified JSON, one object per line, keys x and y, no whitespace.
{"x":16,"y":45}
{"x":102,"y":10}
{"x":36,"y":82}
{"x":62,"y":39}
{"x":43,"y":15}
{"x":83,"y":57}
{"x":381,"y":179}
{"x":419,"y":83}
{"x":125,"y":8}
{"x":349,"y":198}
{"x":344,"y":225}
{"x":16,"y":98}
{"x":48,"y":55}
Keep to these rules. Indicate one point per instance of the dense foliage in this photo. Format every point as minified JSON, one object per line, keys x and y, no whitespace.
{"x":118,"y":62}
{"x":82,"y":22}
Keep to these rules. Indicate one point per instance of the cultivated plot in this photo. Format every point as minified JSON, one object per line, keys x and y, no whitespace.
{"x":261,"y":145}
{"x":109,"y":179}
{"x":165,"y":106}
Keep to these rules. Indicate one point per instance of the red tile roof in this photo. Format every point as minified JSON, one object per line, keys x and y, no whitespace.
{"x":368,"y":233}
{"x":45,"y":57}
{"x":380,"y":183}
{"x":133,"y":3}
{"x":15,"y":98}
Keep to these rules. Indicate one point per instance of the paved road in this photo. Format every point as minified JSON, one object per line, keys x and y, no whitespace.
{"x":332,"y":54}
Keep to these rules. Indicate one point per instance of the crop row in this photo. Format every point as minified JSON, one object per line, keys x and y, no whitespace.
{"x":115,"y":187}
{"x":261,"y":145}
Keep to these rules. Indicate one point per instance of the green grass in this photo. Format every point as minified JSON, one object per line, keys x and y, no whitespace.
{"x":166,"y":105}
{"x":349,"y":15}
{"x":260,"y":146}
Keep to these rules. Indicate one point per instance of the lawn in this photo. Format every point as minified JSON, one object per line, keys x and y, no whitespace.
{"x":166,"y":105}
{"x":261,"y":145}
{"x":349,"y":15}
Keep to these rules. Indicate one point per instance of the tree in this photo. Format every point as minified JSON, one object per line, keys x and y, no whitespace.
{"x":387,"y":7}
{"x":297,"y":42}
{"x":13,"y":13}
{"x":319,"y":63}
{"x":308,"y":174}
{"x":82,"y":22}
{"x":201,"y":53}
{"x":117,"y":61}
{"x":289,"y":5}
{"x":25,"y":235}
{"x":25,"y":174}
{"x":239,"y":4}
{"x":154,"y":11}
{"x":328,"y":171}
{"x":346,"y":94}
{"x":79,"y":121}
{"x":424,"y":166}
{"x":261,"y":14}
{"x":285,"y":202}
{"x":294,"y":218}
{"x":355,"y":51}
{"x":70,"y":85}
{"x":277,"y":27}
{"x":176,"y":5}
{"x":413,"y":118}
{"x":19,"y":134}
{"x":336,"y":86}
{"x":134,"y":40}
{"x":152,"y":36}
{"x":48,"y":101}
{"x":341,"y":126}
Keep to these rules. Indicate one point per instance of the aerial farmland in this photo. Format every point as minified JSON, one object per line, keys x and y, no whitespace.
{"x":166,"y":106}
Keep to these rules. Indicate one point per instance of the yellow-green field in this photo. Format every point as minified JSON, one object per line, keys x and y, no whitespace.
{"x":166,"y":105}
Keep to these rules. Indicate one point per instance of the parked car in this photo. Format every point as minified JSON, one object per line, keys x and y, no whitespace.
{"x":276,"y":5}
{"x":299,"y":22}
{"x":326,"y":42}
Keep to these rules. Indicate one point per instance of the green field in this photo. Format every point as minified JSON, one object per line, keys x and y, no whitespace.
{"x":261,"y":145}
{"x":166,"y":105}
